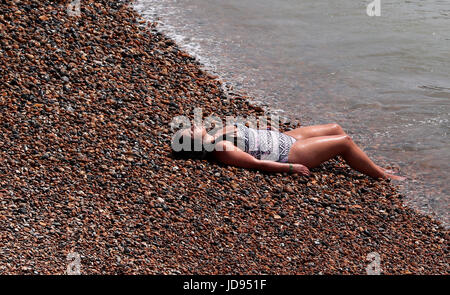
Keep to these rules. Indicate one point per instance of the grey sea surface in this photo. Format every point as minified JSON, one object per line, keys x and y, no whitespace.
{"x":385,"y":79}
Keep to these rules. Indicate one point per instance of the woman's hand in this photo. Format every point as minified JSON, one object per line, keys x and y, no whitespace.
{"x":300,"y":169}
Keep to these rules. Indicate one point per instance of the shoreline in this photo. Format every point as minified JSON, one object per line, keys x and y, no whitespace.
{"x":86,"y":167}
{"x":388,"y":138}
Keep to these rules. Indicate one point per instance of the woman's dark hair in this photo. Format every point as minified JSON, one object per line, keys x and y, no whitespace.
{"x":190,"y":152}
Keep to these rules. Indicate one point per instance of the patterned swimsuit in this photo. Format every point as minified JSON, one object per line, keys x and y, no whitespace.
{"x":264,"y":144}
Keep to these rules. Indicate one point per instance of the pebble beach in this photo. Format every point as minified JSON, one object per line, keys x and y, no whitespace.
{"x":86,"y":167}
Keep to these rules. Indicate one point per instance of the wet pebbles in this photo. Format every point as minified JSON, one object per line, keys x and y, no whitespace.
{"x":86,"y":167}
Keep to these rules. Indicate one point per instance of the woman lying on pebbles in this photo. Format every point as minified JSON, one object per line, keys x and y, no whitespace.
{"x":294,"y":151}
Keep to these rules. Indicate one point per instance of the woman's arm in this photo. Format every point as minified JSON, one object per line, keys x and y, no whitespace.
{"x":234,"y":156}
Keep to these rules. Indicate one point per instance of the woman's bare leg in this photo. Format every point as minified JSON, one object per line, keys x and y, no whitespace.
{"x":315,"y":131}
{"x":311,"y":152}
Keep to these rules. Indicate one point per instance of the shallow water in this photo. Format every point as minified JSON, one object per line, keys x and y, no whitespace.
{"x":385,"y":79}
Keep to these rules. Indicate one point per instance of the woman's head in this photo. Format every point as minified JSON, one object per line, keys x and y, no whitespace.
{"x":188,"y":143}
{"x":194,"y":132}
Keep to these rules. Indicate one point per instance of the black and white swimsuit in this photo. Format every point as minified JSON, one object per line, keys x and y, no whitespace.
{"x":264,"y":144}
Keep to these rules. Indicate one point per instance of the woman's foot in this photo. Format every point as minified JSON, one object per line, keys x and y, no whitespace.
{"x":395,"y":177}
{"x":390,"y":171}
